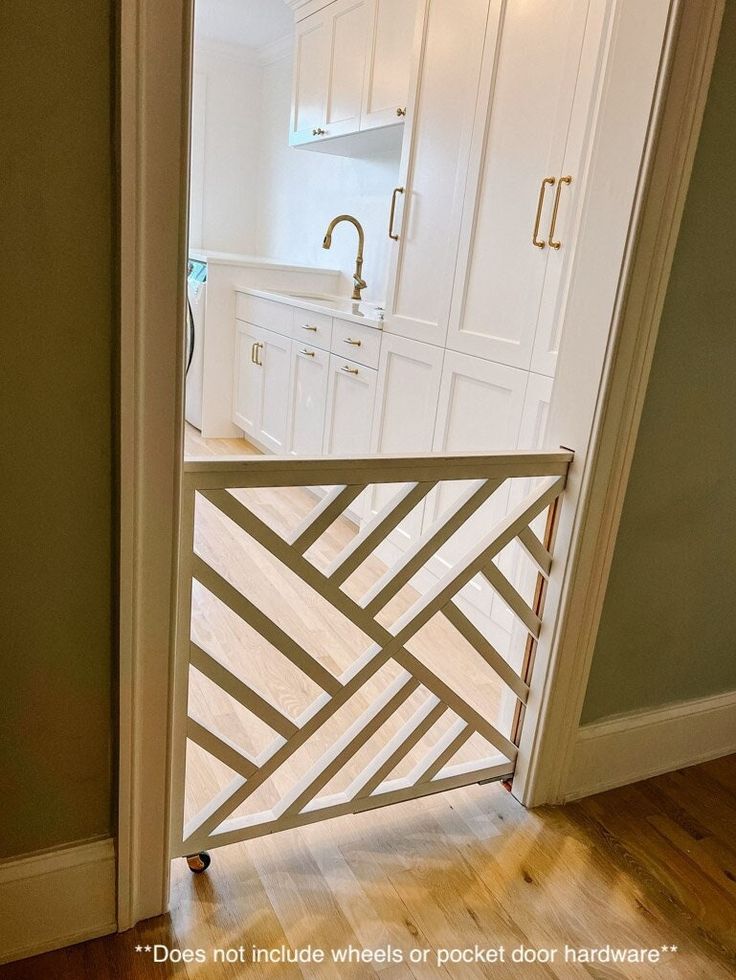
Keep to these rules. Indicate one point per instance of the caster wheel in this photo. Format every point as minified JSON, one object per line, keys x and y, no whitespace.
{"x":198,"y":862}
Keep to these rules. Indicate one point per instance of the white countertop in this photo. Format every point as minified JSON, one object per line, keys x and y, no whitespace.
{"x":256,"y":261}
{"x":370,"y":314}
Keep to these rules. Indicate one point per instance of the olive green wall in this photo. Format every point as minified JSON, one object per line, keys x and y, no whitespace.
{"x":56,"y":384}
{"x":667,"y":627}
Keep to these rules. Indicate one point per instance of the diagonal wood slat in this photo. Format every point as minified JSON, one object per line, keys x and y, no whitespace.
{"x":427,"y":545}
{"x":498,"y":581}
{"x":235,"y":601}
{"x":349,"y":743}
{"x":216,"y":824}
{"x":232,"y":685}
{"x":324,"y":514}
{"x":220,"y":747}
{"x":377,"y":530}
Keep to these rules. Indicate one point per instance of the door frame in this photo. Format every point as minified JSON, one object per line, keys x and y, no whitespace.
{"x":600,"y":422}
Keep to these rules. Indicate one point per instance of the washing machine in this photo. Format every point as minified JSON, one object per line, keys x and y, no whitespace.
{"x":195,"y":327}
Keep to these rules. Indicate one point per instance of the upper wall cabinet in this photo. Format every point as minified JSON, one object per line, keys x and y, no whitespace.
{"x":352,"y":63}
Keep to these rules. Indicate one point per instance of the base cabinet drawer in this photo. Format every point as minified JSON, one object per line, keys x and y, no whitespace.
{"x":265,"y":313}
{"x":356,"y":342}
{"x":310,"y":369}
{"x":311,"y":328}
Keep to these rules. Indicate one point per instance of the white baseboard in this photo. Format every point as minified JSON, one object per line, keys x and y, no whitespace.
{"x":636,"y":746}
{"x":56,"y":898}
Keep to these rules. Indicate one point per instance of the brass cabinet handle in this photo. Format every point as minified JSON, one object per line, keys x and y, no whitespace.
{"x":540,"y":243}
{"x":397,"y":190}
{"x":349,"y":370}
{"x":318,"y":131}
{"x":308,"y":353}
{"x":401,"y":111}
{"x":258,"y":361}
{"x":308,"y":326}
{"x":253,"y":353}
{"x":555,"y":208}
{"x":353,"y":343}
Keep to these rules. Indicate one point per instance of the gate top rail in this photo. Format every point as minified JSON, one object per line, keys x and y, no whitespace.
{"x":206,"y":473}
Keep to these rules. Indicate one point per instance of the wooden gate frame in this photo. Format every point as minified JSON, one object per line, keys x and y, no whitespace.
{"x":667,"y":49}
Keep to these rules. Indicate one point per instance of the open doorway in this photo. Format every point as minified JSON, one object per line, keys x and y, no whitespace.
{"x":332,"y":169}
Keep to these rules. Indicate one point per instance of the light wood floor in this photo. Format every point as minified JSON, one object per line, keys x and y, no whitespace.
{"x":649,"y":865}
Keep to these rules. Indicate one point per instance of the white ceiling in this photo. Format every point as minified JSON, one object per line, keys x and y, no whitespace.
{"x":249,"y":22}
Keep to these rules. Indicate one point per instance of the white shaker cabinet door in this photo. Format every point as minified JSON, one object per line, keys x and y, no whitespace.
{"x":528,"y":93}
{"x":409,"y":377}
{"x":309,"y":374}
{"x":480,"y":408}
{"x":275,"y":360}
{"x":428,"y":201}
{"x":248,"y":380}
{"x":311,"y":73}
{"x":389,"y":62}
{"x":351,"y":393}
{"x":350,"y":24}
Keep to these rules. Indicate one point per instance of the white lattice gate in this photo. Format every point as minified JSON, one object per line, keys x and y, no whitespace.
{"x":313,"y":679}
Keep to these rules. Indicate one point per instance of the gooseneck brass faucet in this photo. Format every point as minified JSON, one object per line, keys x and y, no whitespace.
{"x":359,"y":282}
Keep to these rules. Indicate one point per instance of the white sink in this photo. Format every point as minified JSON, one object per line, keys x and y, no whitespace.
{"x":340,"y":303}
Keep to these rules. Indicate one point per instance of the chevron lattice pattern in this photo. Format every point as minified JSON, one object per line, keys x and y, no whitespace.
{"x":406,"y":737}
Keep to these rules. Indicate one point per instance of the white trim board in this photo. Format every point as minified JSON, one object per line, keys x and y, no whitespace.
{"x":57,"y":898}
{"x":627,"y":748}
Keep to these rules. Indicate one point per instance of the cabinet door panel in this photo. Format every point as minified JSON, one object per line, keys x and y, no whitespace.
{"x":350,"y":398}
{"x":350,"y":28}
{"x":433,"y":170}
{"x":479,"y":410}
{"x":275,"y":356}
{"x":309,"y":375}
{"x":248,"y":378}
{"x":406,"y":405}
{"x":389,"y":62}
{"x":528,"y":86}
{"x":311,"y":68}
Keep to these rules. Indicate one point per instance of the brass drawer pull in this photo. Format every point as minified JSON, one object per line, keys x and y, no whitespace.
{"x":391,"y":234}
{"x":308,"y":326}
{"x":349,"y":370}
{"x":308,"y":353}
{"x":353,"y":343}
{"x":318,"y":131}
{"x":555,"y":209}
{"x":540,"y":243}
{"x":401,"y":111}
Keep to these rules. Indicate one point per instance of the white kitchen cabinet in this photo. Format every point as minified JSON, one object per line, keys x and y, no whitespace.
{"x":261,"y":395}
{"x":433,"y":169}
{"x":480,"y":409}
{"x":525,"y":175}
{"x":352,"y":62}
{"x":311,"y":74}
{"x":389,"y":62}
{"x":351,"y":393}
{"x":248,"y":379}
{"x":309,"y":375}
{"x":409,"y":377}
